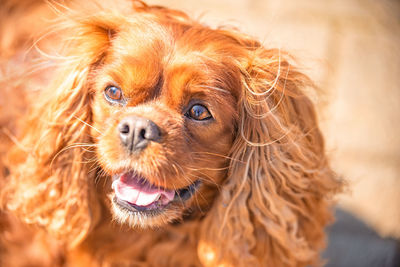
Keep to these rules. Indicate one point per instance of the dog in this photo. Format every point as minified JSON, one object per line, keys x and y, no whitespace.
{"x":145,"y":138}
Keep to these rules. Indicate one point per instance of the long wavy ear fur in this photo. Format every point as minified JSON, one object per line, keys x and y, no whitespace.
{"x":275,"y":202}
{"x":51,"y":181}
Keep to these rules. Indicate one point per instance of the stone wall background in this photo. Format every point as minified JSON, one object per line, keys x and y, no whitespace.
{"x":351,"y":48}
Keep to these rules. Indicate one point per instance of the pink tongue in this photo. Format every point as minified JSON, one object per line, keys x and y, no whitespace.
{"x":129,"y":188}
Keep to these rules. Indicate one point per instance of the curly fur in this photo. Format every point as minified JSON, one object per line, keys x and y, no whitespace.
{"x":272,"y":189}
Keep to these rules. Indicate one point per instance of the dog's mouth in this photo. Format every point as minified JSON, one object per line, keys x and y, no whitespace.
{"x":136,"y":194}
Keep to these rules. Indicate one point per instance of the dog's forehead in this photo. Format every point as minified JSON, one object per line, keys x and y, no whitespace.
{"x":188,"y":74}
{"x":135,"y":56}
{"x":152,"y":62}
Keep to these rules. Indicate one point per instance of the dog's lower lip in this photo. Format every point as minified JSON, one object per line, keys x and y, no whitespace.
{"x":162,"y":198}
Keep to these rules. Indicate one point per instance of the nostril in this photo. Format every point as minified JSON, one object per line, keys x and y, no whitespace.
{"x":124,"y":129}
{"x":142,"y":133}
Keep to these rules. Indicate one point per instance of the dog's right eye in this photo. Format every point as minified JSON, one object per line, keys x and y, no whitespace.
{"x":199,"y":113}
{"x":113,"y":94}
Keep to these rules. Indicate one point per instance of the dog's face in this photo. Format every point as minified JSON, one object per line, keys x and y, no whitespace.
{"x":165,"y":111}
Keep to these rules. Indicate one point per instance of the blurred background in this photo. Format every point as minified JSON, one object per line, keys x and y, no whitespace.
{"x":351,"y":48}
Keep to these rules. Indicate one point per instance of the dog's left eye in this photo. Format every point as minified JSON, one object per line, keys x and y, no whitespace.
{"x":113,"y":93}
{"x":199,"y":113}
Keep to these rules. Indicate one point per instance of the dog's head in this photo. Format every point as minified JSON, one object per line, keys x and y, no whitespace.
{"x":164,"y":117}
{"x":176,"y":119}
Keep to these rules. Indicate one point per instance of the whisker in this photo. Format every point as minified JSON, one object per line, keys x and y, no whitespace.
{"x":54,"y":57}
{"x":75,"y":145}
{"x":14,"y":139}
{"x":87,"y":124}
{"x":208,"y":169}
{"x":205,"y":179}
{"x":197,"y":201}
{"x":218,"y":155}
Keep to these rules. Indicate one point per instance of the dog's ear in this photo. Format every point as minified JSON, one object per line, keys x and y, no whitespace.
{"x":274,"y":204}
{"x":52,"y":175}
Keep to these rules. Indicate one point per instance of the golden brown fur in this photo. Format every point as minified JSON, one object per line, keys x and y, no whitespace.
{"x":266,"y":184}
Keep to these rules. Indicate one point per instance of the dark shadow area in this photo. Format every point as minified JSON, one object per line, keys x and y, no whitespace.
{"x":353,"y":244}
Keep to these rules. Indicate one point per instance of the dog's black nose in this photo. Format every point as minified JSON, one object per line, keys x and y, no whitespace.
{"x":137,"y":132}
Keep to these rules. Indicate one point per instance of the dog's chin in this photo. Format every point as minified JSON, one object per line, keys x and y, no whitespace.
{"x":138,"y":203}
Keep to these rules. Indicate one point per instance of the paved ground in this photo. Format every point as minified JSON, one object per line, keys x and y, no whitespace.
{"x":353,"y":244}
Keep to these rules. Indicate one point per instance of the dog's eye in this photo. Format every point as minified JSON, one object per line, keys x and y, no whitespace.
{"x":113,"y":93}
{"x":199,"y":112}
